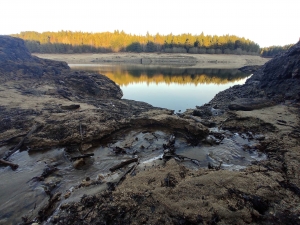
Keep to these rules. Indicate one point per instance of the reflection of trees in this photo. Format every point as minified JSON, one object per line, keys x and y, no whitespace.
{"x":125,"y":76}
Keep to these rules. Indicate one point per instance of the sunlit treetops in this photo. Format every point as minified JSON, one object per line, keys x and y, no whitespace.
{"x":82,"y":42}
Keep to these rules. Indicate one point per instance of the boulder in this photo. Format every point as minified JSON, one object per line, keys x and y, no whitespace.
{"x":248,"y":104}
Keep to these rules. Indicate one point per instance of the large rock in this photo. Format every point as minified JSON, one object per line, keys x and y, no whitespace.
{"x":276,"y":81}
{"x":281,"y":75}
{"x":248,"y":104}
{"x":12,"y":49}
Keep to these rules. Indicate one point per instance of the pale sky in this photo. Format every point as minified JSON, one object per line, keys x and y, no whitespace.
{"x":262,"y":21}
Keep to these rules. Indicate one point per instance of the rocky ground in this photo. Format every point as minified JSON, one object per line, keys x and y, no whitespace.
{"x":44,"y":104}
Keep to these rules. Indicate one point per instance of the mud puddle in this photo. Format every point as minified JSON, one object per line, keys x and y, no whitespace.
{"x":24,"y":193}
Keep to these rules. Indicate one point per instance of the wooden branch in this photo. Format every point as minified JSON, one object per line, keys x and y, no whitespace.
{"x":122,"y":164}
{"x":9,"y":139}
{"x":12,"y":165}
{"x":168,"y":155}
{"x":82,"y":156}
{"x":18,"y":146}
{"x":127,"y":171}
{"x":80,"y":129}
{"x":46,"y":211}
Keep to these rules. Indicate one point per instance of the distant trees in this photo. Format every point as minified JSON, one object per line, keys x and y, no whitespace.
{"x":82,"y":42}
{"x":274,"y":50}
{"x":134,"y":47}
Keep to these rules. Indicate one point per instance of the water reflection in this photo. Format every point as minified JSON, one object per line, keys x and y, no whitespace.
{"x":168,"y":87}
{"x":129,"y":74}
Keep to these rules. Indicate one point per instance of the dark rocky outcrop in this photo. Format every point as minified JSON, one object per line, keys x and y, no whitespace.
{"x":248,"y":104}
{"x":276,"y":81}
{"x":12,"y":50}
{"x":281,"y":75}
{"x":249,"y":69}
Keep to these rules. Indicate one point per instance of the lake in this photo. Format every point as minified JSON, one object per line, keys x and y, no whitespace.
{"x":174,"y":88}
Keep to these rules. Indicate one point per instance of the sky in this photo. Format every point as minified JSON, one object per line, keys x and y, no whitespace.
{"x":265,"y":22}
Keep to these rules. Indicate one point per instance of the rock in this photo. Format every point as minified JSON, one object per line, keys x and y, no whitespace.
{"x":259,"y":137}
{"x":210,"y":139}
{"x":216,"y":112}
{"x":248,"y":104}
{"x":208,"y":123}
{"x":67,"y":195}
{"x":278,"y":80}
{"x":249,"y":69}
{"x":204,"y":112}
{"x":79,"y":163}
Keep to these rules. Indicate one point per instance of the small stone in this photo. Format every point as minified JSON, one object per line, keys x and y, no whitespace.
{"x":100,"y":177}
{"x":259,"y":137}
{"x":67,"y":195}
{"x":79,"y":163}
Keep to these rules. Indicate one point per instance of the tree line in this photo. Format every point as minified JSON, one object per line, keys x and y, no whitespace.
{"x":83,"y":42}
{"x":274,"y":50}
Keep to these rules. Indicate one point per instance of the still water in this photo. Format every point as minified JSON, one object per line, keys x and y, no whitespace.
{"x":174,"y":88}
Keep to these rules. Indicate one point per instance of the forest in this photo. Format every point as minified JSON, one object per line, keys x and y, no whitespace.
{"x":83,"y":42}
{"x":274,"y":50}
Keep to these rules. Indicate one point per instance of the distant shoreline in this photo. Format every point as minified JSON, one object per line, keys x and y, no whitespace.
{"x":220,"y":61}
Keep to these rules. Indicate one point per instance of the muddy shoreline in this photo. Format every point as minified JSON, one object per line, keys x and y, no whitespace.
{"x":62,"y":126}
{"x":190,"y":60}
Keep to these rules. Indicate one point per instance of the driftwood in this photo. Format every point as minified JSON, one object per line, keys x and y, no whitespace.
{"x":46,"y":211}
{"x":112,"y":186}
{"x":70,"y":107}
{"x":18,"y":146}
{"x":122,"y":164}
{"x":80,"y":129}
{"x":12,"y":165}
{"x":3,"y":142}
{"x":124,"y":175}
{"x":212,"y":167}
{"x":82,"y":156}
{"x":181,"y":158}
{"x":46,"y":172}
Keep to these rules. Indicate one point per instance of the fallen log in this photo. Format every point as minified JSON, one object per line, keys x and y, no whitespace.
{"x":49,"y":208}
{"x":12,"y":165}
{"x":122,"y":164}
{"x":70,"y":107}
{"x":124,"y":175}
{"x":112,"y":185}
{"x":82,"y":156}
{"x":9,"y":139}
{"x":18,"y":146}
{"x":181,"y":158}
